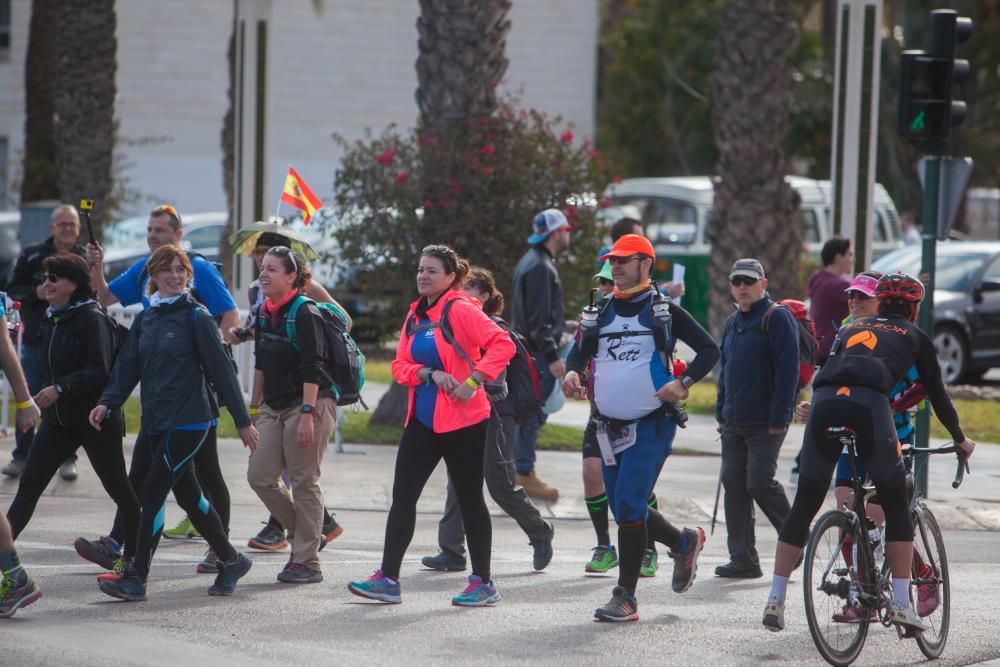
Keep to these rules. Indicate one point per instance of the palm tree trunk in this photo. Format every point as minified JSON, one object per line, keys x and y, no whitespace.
{"x":85,"y":102}
{"x":752,"y":94}
{"x":41,"y":179}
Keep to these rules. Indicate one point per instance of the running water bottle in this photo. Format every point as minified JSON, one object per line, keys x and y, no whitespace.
{"x":588,"y":327}
{"x":662,"y":317}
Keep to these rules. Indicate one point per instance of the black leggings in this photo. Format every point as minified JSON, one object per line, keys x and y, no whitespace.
{"x":164,"y":462}
{"x":420,"y":449}
{"x":52,"y":446}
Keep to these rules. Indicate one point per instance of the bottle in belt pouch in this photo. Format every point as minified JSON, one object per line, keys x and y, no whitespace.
{"x":588,"y":327}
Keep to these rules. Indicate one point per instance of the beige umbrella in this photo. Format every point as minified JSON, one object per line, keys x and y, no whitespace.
{"x":245,"y":240}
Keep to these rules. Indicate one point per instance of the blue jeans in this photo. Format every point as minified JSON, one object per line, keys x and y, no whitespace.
{"x":629,"y":483}
{"x":31,"y":364}
{"x":527,"y":435}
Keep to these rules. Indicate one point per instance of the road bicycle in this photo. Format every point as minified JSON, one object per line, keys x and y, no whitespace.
{"x":842,"y":566}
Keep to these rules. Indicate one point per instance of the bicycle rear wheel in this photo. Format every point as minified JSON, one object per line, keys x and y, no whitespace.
{"x":826,"y":586}
{"x":930,"y":584}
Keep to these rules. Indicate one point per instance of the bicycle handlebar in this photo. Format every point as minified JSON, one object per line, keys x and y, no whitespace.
{"x":963,"y":460}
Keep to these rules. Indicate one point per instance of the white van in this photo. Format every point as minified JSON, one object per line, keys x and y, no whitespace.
{"x":676,"y":212}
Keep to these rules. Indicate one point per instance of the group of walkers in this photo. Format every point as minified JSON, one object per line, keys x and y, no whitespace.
{"x":459,"y":362}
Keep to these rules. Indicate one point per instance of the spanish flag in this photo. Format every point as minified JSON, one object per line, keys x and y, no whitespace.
{"x":298,"y":194}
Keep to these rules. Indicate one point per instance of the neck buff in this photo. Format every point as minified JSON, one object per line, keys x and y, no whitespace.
{"x":632,"y":291}
{"x":270,"y":308}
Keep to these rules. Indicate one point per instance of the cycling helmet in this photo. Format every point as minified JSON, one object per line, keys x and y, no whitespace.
{"x":900,"y":293}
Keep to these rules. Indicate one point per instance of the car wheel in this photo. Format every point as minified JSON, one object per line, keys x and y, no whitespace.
{"x":952,"y":353}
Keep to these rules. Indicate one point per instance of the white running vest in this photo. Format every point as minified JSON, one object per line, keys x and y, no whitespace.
{"x":627,"y":370}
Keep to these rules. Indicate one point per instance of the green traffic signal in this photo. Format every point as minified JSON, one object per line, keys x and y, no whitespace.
{"x":918,"y":123}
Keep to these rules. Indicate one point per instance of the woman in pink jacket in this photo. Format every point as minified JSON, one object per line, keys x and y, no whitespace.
{"x":447,"y":348}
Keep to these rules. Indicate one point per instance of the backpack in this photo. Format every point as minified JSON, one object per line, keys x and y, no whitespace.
{"x":345,"y":363}
{"x":523,"y":399}
{"x":119,"y":332}
{"x":808,"y":342}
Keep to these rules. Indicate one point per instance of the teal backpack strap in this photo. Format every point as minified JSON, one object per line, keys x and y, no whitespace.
{"x":290,"y":328}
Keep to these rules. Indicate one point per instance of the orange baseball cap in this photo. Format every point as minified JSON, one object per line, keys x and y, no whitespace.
{"x":628,"y":245}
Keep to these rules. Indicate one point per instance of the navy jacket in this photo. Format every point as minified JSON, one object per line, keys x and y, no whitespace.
{"x":758,"y":379}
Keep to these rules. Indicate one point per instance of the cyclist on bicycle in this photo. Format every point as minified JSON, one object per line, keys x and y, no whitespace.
{"x":869,"y":356}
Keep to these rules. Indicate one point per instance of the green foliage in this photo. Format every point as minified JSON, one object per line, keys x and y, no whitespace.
{"x":477,"y":188}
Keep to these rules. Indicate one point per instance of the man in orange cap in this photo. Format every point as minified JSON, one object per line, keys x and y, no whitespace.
{"x":627,"y":350}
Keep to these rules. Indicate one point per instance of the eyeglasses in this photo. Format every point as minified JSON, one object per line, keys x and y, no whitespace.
{"x":622,"y":261}
{"x":285,"y":250}
{"x":736,"y":281}
{"x":50,"y":278}
{"x":861,"y":296}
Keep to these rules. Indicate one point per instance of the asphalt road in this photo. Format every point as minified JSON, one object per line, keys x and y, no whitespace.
{"x":544,"y":617}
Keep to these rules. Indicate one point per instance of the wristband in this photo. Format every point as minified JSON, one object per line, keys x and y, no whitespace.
{"x":24,"y":406}
{"x":471,"y":381}
{"x":253,"y":411}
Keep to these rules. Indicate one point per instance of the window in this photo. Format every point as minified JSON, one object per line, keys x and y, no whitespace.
{"x":992,"y":273}
{"x":879,"y":232}
{"x":664,"y":220}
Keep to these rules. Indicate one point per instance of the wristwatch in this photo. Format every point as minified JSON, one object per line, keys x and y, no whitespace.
{"x":59,"y":389}
{"x":686,"y":381}
{"x":306,"y":409}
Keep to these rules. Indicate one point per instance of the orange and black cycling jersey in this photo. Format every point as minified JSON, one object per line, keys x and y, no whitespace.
{"x":877,"y":352}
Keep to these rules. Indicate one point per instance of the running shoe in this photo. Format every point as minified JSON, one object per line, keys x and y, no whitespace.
{"x":649,"y":564}
{"x":183,"y":530}
{"x":270,"y":538}
{"x":129,"y":587}
{"x":229,"y":574}
{"x":210,"y":565}
{"x":104,"y":551}
{"x":116,"y":573}
{"x":686,"y":562}
{"x":774,"y":616}
{"x":445,"y":561}
{"x":477,"y":594}
{"x":14,"y":468}
{"x":854,"y":613}
{"x":604,"y":558}
{"x":620,"y":608}
{"x":377,"y":587}
{"x":906,"y":617}
{"x":331,"y":529}
{"x":14,"y":595}
{"x":297,"y":573}
{"x":928,"y":595}
{"x":542,"y":549}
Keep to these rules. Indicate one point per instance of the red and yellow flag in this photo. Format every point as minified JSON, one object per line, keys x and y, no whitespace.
{"x":298,"y":194}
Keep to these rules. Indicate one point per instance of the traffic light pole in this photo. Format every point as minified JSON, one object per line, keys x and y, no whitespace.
{"x":932,"y":189}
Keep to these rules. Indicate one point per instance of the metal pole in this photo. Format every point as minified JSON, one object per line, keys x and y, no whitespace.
{"x":932,"y":187}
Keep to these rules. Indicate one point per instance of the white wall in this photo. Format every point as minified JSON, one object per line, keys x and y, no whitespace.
{"x":350,"y":68}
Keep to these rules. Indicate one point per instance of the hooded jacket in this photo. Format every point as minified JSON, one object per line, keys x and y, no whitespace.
{"x":173,"y":349}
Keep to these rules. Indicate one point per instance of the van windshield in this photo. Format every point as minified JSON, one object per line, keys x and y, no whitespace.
{"x":665,"y":221}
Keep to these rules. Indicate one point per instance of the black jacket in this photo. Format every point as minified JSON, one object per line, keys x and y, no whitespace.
{"x":172,"y":349}
{"x":77,"y":352}
{"x":536,"y":310}
{"x":286,"y":368}
{"x":26,"y":277}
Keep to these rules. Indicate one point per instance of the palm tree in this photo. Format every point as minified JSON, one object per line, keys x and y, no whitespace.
{"x":752,"y":94}
{"x":84,"y":101}
{"x":40,"y":179}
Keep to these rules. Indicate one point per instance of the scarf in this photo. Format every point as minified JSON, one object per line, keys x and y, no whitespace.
{"x":55,"y":312}
{"x":155,"y":300}
{"x":632,"y":291}
{"x":270,"y":309}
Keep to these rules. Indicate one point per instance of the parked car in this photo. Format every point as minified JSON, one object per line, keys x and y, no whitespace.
{"x":676,"y":213}
{"x":125,"y":241}
{"x":966,"y":304}
{"x":10,"y":246}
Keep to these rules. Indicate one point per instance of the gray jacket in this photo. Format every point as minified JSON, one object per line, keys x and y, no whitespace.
{"x":536,"y":310}
{"x":172,"y":350}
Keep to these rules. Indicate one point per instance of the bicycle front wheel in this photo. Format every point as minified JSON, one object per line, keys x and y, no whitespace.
{"x":930,"y":583}
{"x":827,"y":581}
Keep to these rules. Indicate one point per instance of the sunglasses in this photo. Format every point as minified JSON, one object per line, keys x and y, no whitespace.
{"x":50,"y":278}
{"x":621,"y":261}
{"x":285,"y":250}
{"x":166,"y":209}
{"x":743,"y":280}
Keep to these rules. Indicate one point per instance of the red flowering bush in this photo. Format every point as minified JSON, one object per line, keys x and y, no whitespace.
{"x":477,"y":188}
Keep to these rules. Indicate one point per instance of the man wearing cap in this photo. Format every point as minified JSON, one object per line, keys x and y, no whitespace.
{"x":537,"y":314}
{"x":634,"y":391}
{"x":758,"y":380}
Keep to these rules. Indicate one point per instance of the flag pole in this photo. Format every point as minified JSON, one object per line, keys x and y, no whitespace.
{"x":278,"y":207}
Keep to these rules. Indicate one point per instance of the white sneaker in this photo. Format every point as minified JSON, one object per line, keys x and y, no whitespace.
{"x":907,"y":617}
{"x":774,"y":616}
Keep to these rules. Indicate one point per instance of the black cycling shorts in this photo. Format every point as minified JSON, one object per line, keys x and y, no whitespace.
{"x":867,"y":412}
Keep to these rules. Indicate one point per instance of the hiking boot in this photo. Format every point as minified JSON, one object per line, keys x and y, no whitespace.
{"x":928,"y":595}
{"x":855,"y":614}
{"x":229,"y":574}
{"x":117,"y":571}
{"x":477,"y":594}
{"x":736,"y":569}
{"x":536,"y":488}
{"x":445,"y":561}
{"x":649,"y":564}
{"x":14,"y":595}
{"x":270,"y":538}
{"x":183,"y":530}
{"x":68,"y":471}
{"x":210,"y":565}
{"x":104,"y":551}
{"x":543,"y":550}
{"x":774,"y":616}
{"x":13,"y":469}
{"x":377,"y":587}
{"x":332,"y":530}
{"x":603,"y":558}
{"x":686,"y":562}
{"x":906,"y":617}
{"x":620,"y":608}
{"x":297,"y":573}
{"x":129,"y":587}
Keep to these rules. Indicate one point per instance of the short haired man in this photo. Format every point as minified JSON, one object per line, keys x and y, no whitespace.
{"x":624,"y":226}
{"x":827,"y":292}
{"x":758,"y":379}
{"x":25,"y":286}
{"x":537,"y":314}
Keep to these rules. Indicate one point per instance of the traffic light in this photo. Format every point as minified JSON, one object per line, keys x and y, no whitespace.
{"x":927,"y":106}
